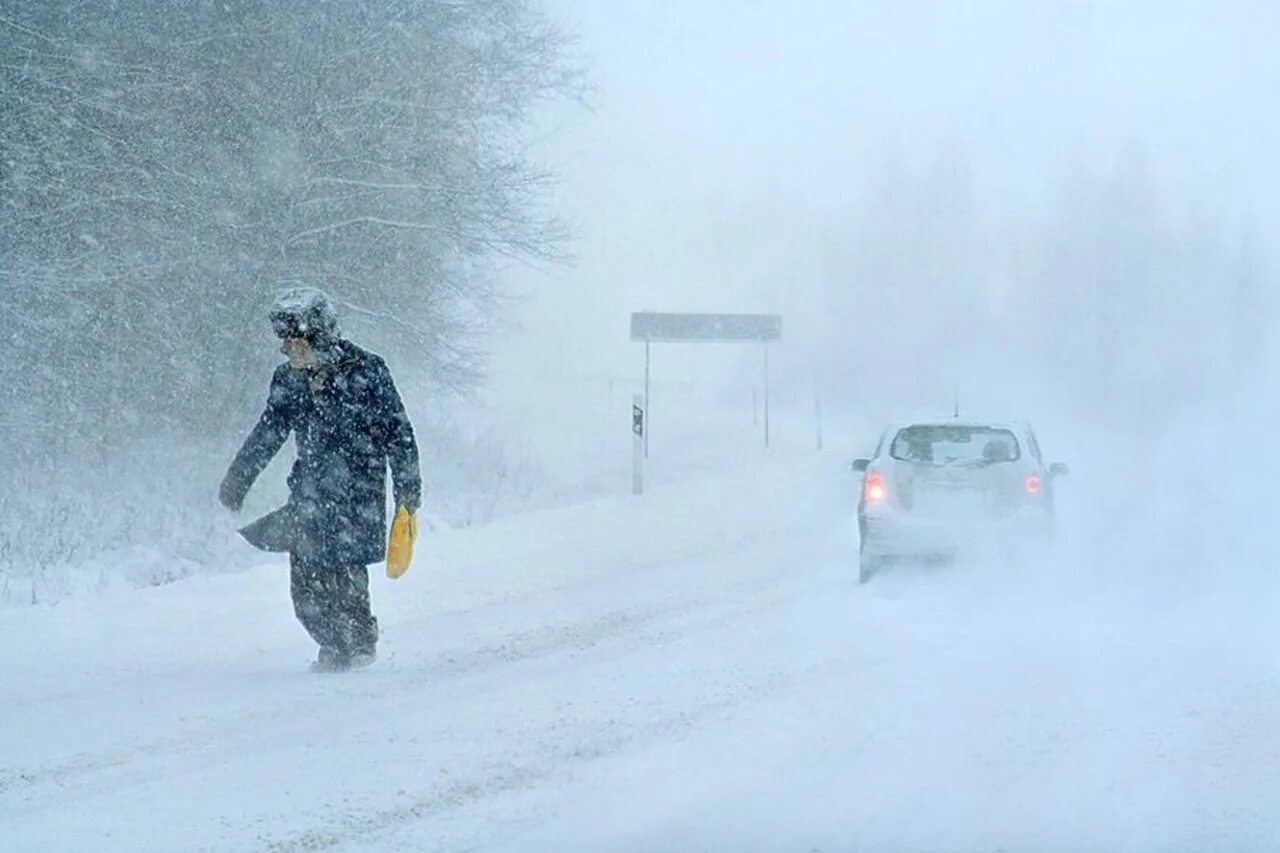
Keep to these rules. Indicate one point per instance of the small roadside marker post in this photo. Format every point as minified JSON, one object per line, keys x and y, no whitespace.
{"x":637,"y":444}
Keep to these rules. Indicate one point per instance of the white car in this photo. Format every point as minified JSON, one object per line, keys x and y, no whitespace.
{"x":935,"y":487}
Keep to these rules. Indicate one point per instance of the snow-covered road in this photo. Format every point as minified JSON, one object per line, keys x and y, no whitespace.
{"x":693,"y":671}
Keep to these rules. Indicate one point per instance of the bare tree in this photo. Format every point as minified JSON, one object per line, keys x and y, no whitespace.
{"x":165,"y":167}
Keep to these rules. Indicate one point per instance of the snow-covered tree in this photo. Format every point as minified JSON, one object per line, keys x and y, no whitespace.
{"x":164,"y":168}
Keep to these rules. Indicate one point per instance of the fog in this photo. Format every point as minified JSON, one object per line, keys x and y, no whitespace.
{"x":1058,"y":214}
{"x":818,"y":156}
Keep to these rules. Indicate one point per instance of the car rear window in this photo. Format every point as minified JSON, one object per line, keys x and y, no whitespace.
{"x":946,"y":444}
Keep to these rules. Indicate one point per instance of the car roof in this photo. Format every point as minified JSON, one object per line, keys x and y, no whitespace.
{"x":1020,"y":427}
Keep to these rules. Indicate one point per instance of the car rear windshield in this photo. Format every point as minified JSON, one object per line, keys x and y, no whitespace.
{"x":939,"y":444}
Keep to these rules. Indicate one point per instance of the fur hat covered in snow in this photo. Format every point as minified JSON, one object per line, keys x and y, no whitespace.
{"x":304,"y":312}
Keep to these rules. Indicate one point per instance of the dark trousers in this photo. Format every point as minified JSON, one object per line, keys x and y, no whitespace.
{"x":333,"y":605}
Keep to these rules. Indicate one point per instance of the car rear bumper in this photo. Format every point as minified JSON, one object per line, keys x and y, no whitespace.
{"x":898,"y":534}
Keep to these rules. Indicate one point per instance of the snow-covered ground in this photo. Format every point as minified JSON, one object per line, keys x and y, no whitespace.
{"x":694,"y":670}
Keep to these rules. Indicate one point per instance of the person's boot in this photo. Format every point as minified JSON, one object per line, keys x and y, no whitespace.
{"x":330,"y":660}
{"x":362,"y":658}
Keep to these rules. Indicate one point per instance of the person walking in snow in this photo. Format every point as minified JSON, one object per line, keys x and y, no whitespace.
{"x":348,"y":424}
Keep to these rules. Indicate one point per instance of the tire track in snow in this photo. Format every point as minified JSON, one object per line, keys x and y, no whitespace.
{"x":514,"y":648}
{"x":48,"y":786}
{"x":349,"y":824}
{"x":361,"y":823}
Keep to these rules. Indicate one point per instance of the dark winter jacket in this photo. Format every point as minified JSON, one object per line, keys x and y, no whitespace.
{"x":348,"y":423}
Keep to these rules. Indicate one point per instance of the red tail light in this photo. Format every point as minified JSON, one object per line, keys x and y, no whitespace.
{"x":1034,"y":484}
{"x":874,"y":490}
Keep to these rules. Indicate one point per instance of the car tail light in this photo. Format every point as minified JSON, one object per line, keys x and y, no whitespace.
{"x":1034,"y":484}
{"x":874,"y":490}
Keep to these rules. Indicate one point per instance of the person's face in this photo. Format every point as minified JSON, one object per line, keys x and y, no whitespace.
{"x":300,"y":353}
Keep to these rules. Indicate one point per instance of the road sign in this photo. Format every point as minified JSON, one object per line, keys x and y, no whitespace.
{"x":705,"y":328}
{"x":656,"y":327}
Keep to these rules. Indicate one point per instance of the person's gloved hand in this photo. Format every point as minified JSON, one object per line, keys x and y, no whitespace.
{"x":231,"y":494}
{"x":404,"y":533}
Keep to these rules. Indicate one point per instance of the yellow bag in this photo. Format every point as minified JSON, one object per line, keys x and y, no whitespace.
{"x":404,"y":532}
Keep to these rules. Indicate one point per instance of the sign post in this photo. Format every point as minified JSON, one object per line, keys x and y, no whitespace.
{"x":766,"y":395}
{"x":637,"y":444}
{"x":646,"y":397}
